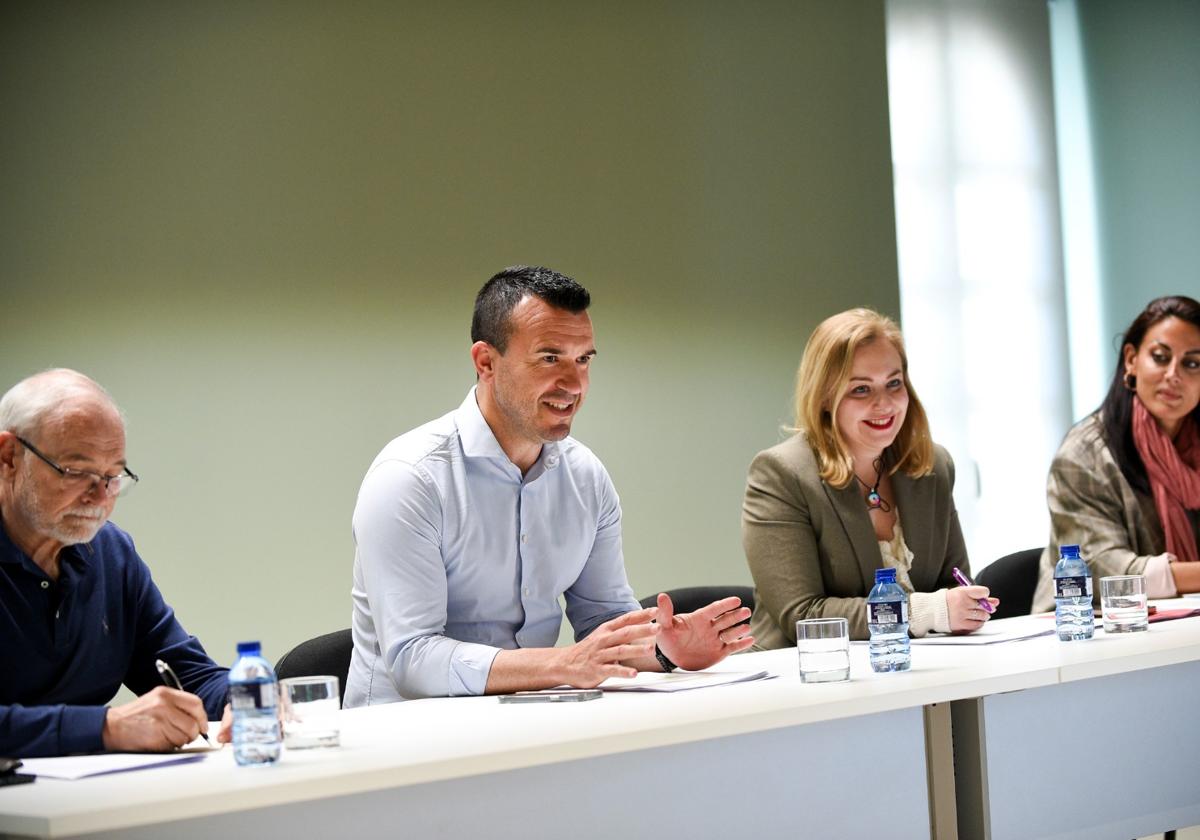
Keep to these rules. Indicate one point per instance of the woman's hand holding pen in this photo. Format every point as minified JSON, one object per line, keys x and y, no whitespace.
{"x":966,"y":613}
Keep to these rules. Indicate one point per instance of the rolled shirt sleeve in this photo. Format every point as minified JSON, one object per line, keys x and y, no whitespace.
{"x":930,"y":613}
{"x":1160,"y":583}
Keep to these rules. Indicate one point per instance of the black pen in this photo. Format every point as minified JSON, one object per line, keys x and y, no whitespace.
{"x":171,"y":681}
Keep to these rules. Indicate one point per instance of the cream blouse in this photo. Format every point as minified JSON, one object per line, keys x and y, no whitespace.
{"x":927,"y":611}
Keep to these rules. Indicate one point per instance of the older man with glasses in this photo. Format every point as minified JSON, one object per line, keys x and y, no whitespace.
{"x":79,"y":612}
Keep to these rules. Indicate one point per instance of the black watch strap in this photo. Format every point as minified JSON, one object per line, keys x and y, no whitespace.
{"x":667,"y":664}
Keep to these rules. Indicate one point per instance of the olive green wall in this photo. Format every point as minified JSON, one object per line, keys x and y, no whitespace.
{"x":1142,"y":65}
{"x":262,"y":226}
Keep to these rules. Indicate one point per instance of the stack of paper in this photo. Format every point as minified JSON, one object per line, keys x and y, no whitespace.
{"x":680,"y":680}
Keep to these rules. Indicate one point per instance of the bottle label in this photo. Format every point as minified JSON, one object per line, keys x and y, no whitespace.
{"x":887,"y":612}
{"x":247,"y":696}
{"x":1073,"y":587}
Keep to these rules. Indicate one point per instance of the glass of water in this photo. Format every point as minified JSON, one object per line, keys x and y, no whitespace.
{"x":310,"y":712}
{"x":1123,"y":603}
{"x":824,"y":647}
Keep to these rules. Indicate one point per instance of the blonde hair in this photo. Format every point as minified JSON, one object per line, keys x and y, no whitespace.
{"x":821,"y":385}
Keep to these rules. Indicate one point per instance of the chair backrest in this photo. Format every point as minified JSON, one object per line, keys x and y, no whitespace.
{"x":1012,"y":579}
{"x":324,"y":655}
{"x":691,"y":598}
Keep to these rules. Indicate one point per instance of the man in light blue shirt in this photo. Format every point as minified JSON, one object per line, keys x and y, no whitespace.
{"x":470,"y":528}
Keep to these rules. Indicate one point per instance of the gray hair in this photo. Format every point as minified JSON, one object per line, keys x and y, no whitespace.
{"x":27,"y":406}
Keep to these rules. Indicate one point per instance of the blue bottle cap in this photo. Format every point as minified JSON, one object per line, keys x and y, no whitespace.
{"x":251,"y":648}
{"x":885,"y":575}
{"x":1071,"y":551}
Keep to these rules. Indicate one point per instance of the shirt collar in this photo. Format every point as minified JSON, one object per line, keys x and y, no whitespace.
{"x":478,"y":440}
{"x":10,"y":553}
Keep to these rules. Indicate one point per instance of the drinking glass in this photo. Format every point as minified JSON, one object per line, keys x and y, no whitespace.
{"x":310,"y":712}
{"x":824,"y":648}
{"x":1123,"y":603}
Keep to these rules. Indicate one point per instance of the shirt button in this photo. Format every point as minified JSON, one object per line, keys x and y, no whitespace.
{"x":45,"y":584}
{"x":526,"y":590}
{"x":524,"y":538}
{"x":552,"y":462}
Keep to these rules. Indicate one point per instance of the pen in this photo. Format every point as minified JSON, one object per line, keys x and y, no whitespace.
{"x":963,"y":580}
{"x":171,"y":681}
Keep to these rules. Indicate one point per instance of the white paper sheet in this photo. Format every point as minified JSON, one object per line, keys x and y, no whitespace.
{"x":82,"y":766}
{"x":680,"y":680}
{"x":988,"y":635}
{"x":199,"y":745}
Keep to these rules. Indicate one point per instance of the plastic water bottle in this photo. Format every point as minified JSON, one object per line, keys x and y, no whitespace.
{"x":887,"y":619}
{"x":1072,"y":596}
{"x":253,"y":693}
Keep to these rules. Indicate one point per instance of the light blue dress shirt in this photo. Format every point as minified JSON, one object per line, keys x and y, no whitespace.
{"x":458,"y":556}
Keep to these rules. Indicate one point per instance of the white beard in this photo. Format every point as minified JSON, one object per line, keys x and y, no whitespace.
{"x":72,"y":532}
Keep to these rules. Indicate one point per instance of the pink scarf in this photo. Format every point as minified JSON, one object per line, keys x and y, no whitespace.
{"x":1174,"y":472}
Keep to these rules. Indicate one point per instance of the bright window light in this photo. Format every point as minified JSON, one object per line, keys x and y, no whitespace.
{"x":980,"y":255}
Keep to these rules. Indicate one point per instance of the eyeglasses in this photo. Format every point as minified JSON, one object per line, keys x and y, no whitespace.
{"x":77,"y":480}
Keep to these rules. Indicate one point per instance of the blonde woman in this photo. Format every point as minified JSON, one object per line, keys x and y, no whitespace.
{"x":859,"y":486}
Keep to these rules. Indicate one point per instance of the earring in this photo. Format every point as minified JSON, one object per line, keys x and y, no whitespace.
{"x":1130,"y":382}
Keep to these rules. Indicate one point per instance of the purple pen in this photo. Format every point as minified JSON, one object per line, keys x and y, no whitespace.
{"x":963,"y":580}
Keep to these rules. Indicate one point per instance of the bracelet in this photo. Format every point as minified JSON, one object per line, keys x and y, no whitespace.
{"x":667,"y":664}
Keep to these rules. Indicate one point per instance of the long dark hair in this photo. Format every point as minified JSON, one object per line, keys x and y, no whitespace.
{"x":1116,"y":412}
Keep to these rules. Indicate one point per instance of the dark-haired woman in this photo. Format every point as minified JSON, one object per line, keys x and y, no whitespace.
{"x":1125,"y":484}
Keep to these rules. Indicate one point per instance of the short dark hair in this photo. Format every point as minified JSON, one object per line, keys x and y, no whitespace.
{"x":500,"y":295}
{"x":1116,"y":412}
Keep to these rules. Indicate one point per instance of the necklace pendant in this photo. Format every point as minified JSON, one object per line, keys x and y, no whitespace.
{"x":874,"y":501}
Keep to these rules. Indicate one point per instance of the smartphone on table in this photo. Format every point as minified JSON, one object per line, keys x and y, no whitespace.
{"x":574,"y":695}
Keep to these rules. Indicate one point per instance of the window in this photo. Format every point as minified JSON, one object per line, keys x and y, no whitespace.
{"x":980,"y":256}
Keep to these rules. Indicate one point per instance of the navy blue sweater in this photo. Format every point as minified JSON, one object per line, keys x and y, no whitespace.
{"x":67,"y":646}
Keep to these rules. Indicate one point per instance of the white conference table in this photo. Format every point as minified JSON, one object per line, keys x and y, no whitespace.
{"x":759,"y":758}
{"x":1111,"y":750}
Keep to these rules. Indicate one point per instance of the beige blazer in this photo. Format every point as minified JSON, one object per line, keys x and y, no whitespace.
{"x":812,"y":549}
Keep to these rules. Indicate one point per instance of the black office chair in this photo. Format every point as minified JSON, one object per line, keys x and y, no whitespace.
{"x":691,"y":598}
{"x":1012,"y":579}
{"x":327,"y":655}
